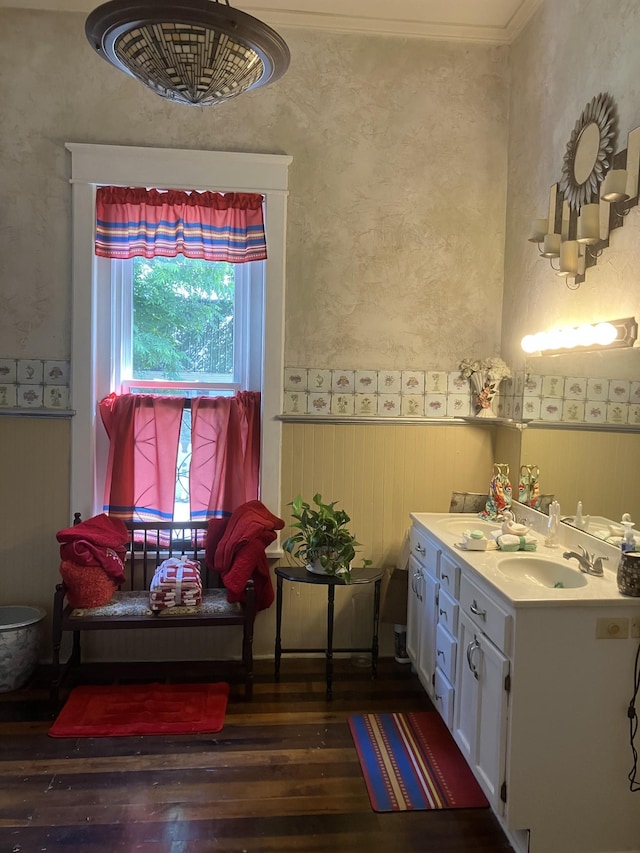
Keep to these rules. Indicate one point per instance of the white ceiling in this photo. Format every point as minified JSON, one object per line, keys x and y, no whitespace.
{"x":495,"y":21}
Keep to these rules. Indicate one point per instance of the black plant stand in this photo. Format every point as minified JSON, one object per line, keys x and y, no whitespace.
{"x":299,"y":574}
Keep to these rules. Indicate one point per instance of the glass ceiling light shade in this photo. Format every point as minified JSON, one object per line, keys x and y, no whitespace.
{"x":197,"y":52}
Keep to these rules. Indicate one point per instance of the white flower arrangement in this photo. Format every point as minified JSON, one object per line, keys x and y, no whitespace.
{"x":493,"y":368}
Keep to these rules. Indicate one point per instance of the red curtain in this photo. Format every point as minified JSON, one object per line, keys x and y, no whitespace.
{"x":225,"y":458}
{"x":136,"y":222}
{"x":143,"y":431}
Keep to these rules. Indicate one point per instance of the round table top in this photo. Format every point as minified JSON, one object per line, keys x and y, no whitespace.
{"x":302,"y":575}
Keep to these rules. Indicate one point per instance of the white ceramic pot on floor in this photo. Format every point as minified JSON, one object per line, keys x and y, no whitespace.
{"x":20,"y":640}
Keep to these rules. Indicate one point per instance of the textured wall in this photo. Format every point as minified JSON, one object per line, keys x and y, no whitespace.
{"x":396,"y":217}
{"x":395,"y":244}
{"x":396,"y":220}
{"x":570,"y":52}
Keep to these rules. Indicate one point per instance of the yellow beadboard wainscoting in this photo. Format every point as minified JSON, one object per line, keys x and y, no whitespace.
{"x":378,"y":473}
{"x":508,"y":449}
{"x":34,"y":504}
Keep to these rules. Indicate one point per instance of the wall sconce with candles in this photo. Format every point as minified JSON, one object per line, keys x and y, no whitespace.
{"x":597,"y":190}
{"x":587,"y":337}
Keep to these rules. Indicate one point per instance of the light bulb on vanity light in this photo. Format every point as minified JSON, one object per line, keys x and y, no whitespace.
{"x":614,"y":333}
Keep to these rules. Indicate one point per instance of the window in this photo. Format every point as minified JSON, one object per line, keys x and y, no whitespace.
{"x":187,"y":324}
{"x":189,"y":328}
{"x":94,"y":344}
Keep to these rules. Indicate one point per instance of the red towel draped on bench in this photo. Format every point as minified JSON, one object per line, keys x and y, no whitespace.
{"x":236,"y":549}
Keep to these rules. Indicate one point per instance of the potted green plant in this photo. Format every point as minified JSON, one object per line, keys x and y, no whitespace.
{"x":322,"y":540}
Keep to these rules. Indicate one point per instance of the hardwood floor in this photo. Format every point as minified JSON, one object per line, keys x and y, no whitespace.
{"x":282,"y":775}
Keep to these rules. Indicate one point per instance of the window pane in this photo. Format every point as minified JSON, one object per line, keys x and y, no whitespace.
{"x":183,"y":320}
{"x":181,"y":510}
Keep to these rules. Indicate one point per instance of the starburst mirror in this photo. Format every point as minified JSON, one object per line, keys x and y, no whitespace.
{"x":589,"y":152}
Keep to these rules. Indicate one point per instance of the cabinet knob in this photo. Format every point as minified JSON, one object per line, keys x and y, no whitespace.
{"x":443,"y":613}
{"x":420,"y":549}
{"x":445,"y":576}
{"x":476,"y":610}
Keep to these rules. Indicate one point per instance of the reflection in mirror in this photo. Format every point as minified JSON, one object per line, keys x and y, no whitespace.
{"x":607,"y":529}
{"x":586,"y":153}
{"x":596,"y":464}
{"x":595,"y":468}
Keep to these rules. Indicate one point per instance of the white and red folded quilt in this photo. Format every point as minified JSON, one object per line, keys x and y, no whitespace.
{"x":176,"y":583}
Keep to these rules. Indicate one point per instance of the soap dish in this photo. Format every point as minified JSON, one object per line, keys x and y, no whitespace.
{"x":476,"y":543}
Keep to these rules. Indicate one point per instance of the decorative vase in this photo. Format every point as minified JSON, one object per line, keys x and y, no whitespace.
{"x":484,"y":391}
{"x":316,"y":567}
{"x":629,"y":574}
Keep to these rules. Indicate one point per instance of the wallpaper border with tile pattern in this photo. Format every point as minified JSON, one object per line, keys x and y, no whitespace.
{"x":441,"y":394}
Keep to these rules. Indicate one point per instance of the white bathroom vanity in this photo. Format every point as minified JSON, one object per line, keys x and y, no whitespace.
{"x":530,"y":662}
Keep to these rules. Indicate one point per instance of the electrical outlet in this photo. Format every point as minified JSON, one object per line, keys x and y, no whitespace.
{"x":612,"y":629}
{"x":635,"y":628}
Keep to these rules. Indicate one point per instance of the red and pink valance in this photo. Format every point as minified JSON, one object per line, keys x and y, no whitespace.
{"x":136,"y":222}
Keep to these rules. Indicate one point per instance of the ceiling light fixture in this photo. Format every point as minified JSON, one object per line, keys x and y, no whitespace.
{"x":197,"y":52}
{"x":608,"y":335}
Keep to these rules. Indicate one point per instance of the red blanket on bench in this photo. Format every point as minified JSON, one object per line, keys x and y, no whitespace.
{"x":98,"y":541}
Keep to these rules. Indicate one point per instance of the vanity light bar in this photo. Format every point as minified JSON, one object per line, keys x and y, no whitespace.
{"x":607,"y":335}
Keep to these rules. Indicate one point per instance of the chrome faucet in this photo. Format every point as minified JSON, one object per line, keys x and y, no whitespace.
{"x":588,"y":563}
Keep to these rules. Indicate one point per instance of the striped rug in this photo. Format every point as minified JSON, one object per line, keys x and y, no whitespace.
{"x":411,"y":762}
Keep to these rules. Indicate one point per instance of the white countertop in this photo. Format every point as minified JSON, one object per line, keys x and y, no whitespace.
{"x":596,"y":591}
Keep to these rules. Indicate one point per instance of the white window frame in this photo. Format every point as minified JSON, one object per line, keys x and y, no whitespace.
{"x":114,"y":165}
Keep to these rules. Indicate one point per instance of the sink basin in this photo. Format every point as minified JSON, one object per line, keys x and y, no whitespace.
{"x":540,"y":572}
{"x":459,"y":525}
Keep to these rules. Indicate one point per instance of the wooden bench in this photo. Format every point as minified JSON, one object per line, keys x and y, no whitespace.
{"x":149,"y":546}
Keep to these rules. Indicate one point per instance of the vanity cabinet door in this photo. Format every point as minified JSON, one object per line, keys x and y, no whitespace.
{"x":415,"y":596}
{"x":427,"y":654}
{"x":480,"y":710}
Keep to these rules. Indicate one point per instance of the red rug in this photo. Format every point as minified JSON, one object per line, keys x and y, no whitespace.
{"x":142,"y":709}
{"x":411,"y":762}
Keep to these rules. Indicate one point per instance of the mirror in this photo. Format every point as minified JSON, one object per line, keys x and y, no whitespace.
{"x":595,"y":464}
{"x":589,"y":152}
{"x":586,"y":154}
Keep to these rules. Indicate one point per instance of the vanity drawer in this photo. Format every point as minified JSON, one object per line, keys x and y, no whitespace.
{"x":486,"y":613}
{"x":446,"y":652}
{"x":423,"y":550}
{"x":447,"y":611}
{"x":443,"y":697}
{"x":449,"y":575}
